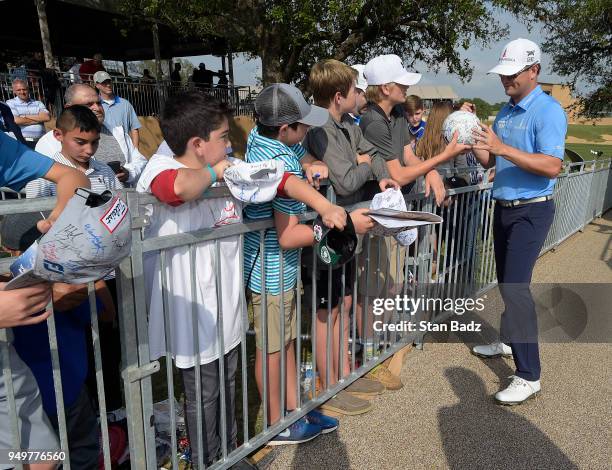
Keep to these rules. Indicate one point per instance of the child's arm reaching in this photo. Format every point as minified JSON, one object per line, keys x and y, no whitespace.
{"x":292,"y":234}
{"x":296,"y":188}
{"x":176,"y":186}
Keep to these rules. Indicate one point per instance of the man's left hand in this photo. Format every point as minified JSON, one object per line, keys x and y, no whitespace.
{"x":433,"y":182}
{"x":487,"y":140}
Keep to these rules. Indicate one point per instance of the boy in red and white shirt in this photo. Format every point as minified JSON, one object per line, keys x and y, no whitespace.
{"x":196,"y":128}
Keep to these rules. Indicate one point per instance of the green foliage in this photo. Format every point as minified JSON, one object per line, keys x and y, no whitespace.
{"x":291,"y":36}
{"x":579,"y":38}
{"x":483,"y":108}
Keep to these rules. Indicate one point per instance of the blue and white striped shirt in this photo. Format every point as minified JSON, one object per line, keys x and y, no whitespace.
{"x":26,"y":108}
{"x":261,"y":148}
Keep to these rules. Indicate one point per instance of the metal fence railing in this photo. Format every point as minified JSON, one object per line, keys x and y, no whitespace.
{"x":147,"y":97}
{"x":456,"y":256}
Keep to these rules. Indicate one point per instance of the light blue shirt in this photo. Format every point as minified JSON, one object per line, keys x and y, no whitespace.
{"x":120,"y":113}
{"x":26,"y":108}
{"x":537,"y":124}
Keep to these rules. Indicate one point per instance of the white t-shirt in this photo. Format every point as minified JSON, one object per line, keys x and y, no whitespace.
{"x":190,"y":216}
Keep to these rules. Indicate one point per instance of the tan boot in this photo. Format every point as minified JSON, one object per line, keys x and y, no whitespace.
{"x":382,"y":375}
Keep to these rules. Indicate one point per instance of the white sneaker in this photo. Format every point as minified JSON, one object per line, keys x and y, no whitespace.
{"x":492,"y":350}
{"x":518,"y":391}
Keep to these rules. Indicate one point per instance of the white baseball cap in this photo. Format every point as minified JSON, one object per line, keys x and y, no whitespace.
{"x":254,"y":182}
{"x":388,"y":68}
{"x":362,"y":83}
{"x":516,"y":56}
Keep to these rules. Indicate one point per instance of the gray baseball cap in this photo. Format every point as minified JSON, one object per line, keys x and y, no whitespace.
{"x":87,"y":241}
{"x":281,"y":103}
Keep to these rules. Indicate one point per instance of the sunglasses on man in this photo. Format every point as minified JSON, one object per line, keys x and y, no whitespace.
{"x":512,"y":77}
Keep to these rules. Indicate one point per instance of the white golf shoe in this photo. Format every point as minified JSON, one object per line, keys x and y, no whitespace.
{"x":518,"y":391}
{"x":492,"y":350}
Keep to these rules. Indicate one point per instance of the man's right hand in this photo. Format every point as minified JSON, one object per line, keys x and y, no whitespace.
{"x":364,"y":159}
{"x":20,"y":306}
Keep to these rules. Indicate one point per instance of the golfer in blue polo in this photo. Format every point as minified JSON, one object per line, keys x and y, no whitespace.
{"x":525,"y":145}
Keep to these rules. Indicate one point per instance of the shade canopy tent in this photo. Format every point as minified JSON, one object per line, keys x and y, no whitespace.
{"x":82,"y":28}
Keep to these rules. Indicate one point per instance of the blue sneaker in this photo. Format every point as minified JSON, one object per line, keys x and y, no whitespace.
{"x":298,"y":432}
{"x":326,"y":423}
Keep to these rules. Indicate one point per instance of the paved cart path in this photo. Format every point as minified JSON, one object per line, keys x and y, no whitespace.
{"x":445,"y":416}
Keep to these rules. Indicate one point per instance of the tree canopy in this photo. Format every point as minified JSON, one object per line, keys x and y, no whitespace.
{"x":290,"y":36}
{"x":579,"y":39}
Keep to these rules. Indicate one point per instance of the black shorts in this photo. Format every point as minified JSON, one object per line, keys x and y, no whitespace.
{"x":336,"y":284}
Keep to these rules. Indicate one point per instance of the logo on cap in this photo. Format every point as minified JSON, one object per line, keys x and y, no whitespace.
{"x":318,"y":232}
{"x":325,"y":255}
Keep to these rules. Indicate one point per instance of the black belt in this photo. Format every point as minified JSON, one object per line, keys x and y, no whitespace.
{"x":522,"y":202}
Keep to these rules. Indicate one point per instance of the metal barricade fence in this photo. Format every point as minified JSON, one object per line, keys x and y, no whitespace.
{"x":147,"y":97}
{"x":457,"y":257}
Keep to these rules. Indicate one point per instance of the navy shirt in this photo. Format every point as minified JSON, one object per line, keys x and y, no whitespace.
{"x":537,"y":124}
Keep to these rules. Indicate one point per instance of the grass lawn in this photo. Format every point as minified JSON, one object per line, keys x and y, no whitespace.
{"x":584,"y":150}
{"x":589,"y":132}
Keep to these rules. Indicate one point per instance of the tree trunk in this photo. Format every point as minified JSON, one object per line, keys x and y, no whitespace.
{"x":44,"y":32}
{"x":271,"y":70}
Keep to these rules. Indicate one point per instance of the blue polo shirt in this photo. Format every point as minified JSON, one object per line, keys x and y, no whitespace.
{"x":537,"y":124}
{"x":120,"y":112}
{"x":19,"y":164}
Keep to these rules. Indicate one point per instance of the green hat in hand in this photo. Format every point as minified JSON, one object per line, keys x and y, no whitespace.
{"x":334,"y":247}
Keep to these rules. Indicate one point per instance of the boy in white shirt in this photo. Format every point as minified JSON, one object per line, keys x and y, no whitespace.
{"x":78,"y":131}
{"x":196,"y":128}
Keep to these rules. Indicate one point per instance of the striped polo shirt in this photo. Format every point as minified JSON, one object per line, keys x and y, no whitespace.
{"x":259,"y":149}
{"x":100,"y":175}
{"x":27,"y":108}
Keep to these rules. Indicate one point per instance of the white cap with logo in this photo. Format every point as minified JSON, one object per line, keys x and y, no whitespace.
{"x":516,"y":56}
{"x":362,"y":83}
{"x":387,"y":69}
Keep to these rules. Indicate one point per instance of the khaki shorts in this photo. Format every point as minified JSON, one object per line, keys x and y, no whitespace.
{"x":382,"y":278}
{"x":273,"y":318}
